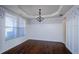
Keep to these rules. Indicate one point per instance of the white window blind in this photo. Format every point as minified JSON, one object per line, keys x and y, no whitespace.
{"x":14,"y":26}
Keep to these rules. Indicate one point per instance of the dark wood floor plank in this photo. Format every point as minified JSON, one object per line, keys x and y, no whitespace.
{"x":39,"y":47}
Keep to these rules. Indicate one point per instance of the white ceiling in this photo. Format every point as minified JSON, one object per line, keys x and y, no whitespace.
{"x":46,"y":10}
{"x":32,"y":10}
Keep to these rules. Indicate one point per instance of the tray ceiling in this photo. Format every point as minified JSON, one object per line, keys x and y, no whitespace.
{"x":31,"y":11}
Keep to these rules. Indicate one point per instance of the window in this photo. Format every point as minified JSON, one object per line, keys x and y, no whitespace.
{"x":14,"y":27}
{"x":21,"y":27}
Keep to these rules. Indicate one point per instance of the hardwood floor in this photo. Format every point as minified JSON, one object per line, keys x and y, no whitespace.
{"x":39,"y":47}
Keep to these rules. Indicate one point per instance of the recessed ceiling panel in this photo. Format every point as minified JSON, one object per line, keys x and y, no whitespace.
{"x":33,"y":10}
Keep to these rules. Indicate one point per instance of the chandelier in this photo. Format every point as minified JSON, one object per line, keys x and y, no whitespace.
{"x":40,"y":18}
